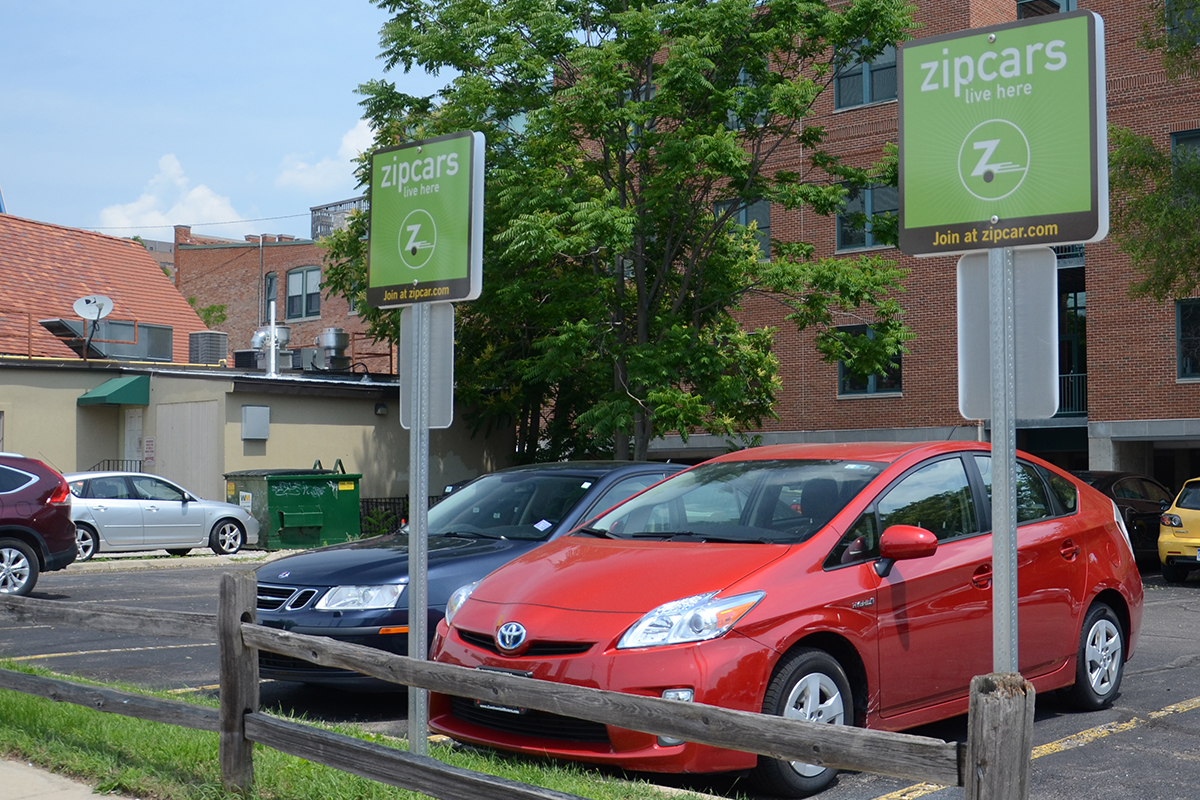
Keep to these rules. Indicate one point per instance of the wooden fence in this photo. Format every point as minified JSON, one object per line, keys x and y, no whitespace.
{"x":993,"y":764}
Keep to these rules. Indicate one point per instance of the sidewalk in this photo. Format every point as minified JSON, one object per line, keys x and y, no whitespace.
{"x":22,"y":781}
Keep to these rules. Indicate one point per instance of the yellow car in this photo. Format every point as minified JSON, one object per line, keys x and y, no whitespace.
{"x":1179,"y":534}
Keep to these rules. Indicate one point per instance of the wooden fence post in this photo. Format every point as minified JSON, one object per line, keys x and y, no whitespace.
{"x":239,"y":679}
{"x":999,"y":738}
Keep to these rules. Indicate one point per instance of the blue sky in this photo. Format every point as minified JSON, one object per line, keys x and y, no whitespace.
{"x":131,"y":117}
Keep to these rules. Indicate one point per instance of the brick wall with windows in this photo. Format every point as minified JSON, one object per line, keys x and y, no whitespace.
{"x":240,"y":274}
{"x":1132,"y":369}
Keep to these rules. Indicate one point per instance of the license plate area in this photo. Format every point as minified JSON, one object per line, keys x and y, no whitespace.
{"x":487,"y":706}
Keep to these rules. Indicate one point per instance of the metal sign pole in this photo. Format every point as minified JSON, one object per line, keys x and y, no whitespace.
{"x":418,"y":524}
{"x":1002,"y":328}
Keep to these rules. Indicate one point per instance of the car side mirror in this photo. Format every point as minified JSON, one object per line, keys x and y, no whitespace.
{"x":903,"y":542}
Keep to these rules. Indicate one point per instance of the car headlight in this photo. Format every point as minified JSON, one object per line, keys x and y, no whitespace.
{"x":457,"y":599}
{"x":359,"y":598}
{"x":692,"y":619}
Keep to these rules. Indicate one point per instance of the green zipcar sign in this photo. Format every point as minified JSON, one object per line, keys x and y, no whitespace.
{"x":1003,"y":139}
{"x":426,"y":241}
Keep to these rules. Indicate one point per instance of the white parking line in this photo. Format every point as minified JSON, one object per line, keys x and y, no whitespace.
{"x":115,"y":650}
{"x":1067,"y":743}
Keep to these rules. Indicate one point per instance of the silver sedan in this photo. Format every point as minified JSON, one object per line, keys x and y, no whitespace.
{"x":124,"y":511}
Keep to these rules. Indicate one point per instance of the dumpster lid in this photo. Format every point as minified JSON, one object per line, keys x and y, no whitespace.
{"x":263,"y":473}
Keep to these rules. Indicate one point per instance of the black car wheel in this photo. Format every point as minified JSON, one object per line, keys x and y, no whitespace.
{"x":227,"y":537}
{"x":809,"y":685}
{"x":1101,"y":660}
{"x":18,"y":567}
{"x":87,"y":541}
{"x":1174,"y":573}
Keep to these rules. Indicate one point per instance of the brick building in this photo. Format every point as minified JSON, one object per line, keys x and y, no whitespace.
{"x":245,"y":276}
{"x":1130,"y":394}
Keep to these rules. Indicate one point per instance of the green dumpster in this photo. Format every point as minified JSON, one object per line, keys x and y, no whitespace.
{"x":298,"y":508}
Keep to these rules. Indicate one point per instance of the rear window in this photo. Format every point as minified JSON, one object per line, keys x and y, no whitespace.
{"x":1189,"y":498}
{"x":13,"y":479}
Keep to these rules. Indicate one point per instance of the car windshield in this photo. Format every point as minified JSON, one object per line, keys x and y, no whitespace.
{"x":780,"y":501}
{"x":509,"y":505}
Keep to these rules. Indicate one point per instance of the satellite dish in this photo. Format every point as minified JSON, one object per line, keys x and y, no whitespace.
{"x":93,"y":307}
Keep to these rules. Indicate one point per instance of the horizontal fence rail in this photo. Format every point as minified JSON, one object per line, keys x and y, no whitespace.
{"x":843,"y":747}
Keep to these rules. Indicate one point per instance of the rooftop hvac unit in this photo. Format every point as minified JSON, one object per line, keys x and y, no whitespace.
{"x":245,"y":359}
{"x":208,"y":347}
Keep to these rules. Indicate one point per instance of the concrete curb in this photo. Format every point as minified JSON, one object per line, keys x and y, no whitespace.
{"x":23,"y":781}
{"x":128,"y":562}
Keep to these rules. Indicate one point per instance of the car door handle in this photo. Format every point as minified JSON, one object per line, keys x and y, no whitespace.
{"x":1069,"y":550}
{"x":982,"y":579}
{"x":152,"y":508}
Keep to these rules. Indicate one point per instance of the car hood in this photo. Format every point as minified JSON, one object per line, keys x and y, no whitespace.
{"x":384,"y":559}
{"x":584,"y":574}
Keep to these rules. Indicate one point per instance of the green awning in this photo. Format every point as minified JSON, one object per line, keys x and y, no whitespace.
{"x":133,"y":390}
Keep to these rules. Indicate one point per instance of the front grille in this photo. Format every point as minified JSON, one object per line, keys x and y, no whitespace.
{"x":536,"y":649}
{"x":288,"y":598}
{"x":271,"y":598}
{"x":529,"y":723}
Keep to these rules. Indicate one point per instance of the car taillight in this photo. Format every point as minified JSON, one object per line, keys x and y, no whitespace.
{"x":62,"y":494}
{"x":1171,"y":520}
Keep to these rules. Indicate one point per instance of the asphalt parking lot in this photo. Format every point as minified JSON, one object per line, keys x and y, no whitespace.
{"x":1147,"y":745}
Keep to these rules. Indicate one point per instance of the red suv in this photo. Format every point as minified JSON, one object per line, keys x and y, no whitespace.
{"x":36,"y":531}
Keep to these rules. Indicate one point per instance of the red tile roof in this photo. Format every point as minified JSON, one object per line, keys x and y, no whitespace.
{"x":45,"y":268}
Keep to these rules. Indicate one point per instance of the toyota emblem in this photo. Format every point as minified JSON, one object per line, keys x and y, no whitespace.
{"x":510,"y":636}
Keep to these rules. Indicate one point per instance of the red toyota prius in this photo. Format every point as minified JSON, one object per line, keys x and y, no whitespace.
{"x":849,"y":584}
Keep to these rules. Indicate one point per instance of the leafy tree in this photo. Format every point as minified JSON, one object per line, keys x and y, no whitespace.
{"x":624,"y":144}
{"x":211,"y":316}
{"x":1156,"y":192}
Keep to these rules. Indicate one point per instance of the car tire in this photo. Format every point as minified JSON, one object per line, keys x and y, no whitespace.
{"x":178,"y":551}
{"x":1174,"y":573}
{"x":1100,"y":662}
{"x":227,"y":537}
{"x":18,"y":568}
{"x":808,"y":685}
{"x":87,"y":542}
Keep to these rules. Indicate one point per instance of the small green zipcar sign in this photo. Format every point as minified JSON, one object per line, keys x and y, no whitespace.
{"x":426,"y":240}
{"x":1003,"y":138}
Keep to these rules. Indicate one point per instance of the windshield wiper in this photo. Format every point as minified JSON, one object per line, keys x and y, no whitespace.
{"x":599,"y":534}
{"x":469,"y":535}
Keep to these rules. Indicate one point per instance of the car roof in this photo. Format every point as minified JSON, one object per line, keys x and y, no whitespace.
{"x":593,"y":468}
{"x":75,"y":476}
{"x":1101,"y":477}
{"x":886,"y":452}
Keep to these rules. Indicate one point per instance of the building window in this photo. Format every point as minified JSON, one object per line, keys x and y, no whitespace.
{"x":758,"y":212}
{"x":743,"y":92}
{"x":850,"y":383}
{"x":862,"y":204}
{"x":1187,"y":337}
{"x":304,"y":293}
{"x":865,"y":82}
{"x":270,"y":295}
{"x":1027,"y":9}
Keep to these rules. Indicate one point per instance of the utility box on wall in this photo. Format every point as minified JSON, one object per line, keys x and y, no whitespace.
{"x":256,"y":423}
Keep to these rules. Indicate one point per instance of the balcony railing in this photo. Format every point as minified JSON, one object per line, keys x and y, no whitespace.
{"x":1072,"y":394}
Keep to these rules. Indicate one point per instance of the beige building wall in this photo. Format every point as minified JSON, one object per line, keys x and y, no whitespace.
{"x":42,"y":420}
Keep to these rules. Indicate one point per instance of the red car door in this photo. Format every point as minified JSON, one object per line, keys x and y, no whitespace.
{"x":935,"y":630}
{"x":1051,"y":572}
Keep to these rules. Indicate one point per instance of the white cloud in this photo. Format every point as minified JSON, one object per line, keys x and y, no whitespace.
{"x":168,"y":200}
{"x":329,"y":175}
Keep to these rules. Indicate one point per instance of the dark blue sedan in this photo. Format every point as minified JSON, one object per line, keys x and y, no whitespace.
{"x":354,"y":592}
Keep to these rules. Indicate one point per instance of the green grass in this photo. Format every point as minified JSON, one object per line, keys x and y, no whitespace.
{"x":154,"y":761}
